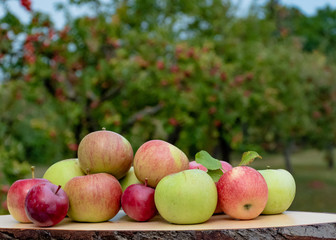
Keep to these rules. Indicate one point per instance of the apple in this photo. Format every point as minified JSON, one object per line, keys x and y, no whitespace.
{"x":105,"y":151}
{"x":281,"y":190}
{"x":225,"y":166}
{"x":242,"y":192}
{"x":46,"y":204}
{"x":62,"y":171}
{"x":138,"y":203}
{"x":129,"y":179}
{"x":156,"y":159}
{"x":195,"y":165}
{"x":16,"y":196}
{"x":186,"y":197}
{"x":94,"y":197}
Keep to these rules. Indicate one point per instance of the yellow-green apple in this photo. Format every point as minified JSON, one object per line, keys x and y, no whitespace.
{"x":16,"y":196}
{"x":186,"y":197}
{"x":105,"y":151}
{"x":93,"y":197}
{"x":156,"y":159}
{"x":129,"y":179}
{"x":281,"y":190}
{"x":62,"y":171}
{"x":242,"y":192}
{"x":225,"y":166}
{"x":46,"y":204}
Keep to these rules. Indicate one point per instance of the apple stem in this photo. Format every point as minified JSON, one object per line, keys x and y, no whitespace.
{"x":59,"y":186}
{"x":33,"y":171}
{"x":87,"y":171}
{"x":103,"y":128}
{"x":146,"y":182}
{"x":224,"y":171}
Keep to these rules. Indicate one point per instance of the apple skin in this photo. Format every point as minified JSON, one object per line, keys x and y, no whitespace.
{"x":46,"y":204}
{"x":242,"y":193}
{"x":196,"y":165}
{"x":105,"y":151}
{"x":129,"y":179}
{"x":187,"y":197}
{"x":156,"y":159}
{"x":138,"y":202}
{"x":281,"y":190}
{"x":226,"y":167}
{"x":94,"y":197}
{"x":16,"y":197}
{"x":62,"y":171}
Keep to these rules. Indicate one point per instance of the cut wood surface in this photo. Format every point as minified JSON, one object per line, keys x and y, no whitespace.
{"x":289,"y":225}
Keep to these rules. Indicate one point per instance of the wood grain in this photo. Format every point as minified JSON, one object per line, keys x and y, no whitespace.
{"x":289,"y":225}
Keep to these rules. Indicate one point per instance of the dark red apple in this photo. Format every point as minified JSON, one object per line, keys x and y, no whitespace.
{"x":16,"y":196}
{"x":138,"y":202}
{"x":46,"y":204}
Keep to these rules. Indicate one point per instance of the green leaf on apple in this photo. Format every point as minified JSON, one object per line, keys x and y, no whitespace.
{"x":215,"y":174}
{"x":248,"y":157}
{"x":207,"y":161}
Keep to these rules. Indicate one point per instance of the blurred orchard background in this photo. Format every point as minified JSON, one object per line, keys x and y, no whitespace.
{"x":194,"y":73}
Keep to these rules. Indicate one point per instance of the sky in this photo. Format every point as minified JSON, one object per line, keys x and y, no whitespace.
{"x":48,"y":6}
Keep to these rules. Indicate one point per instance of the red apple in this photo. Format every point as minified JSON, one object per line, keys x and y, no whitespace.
{"x":16,"y":196}
{"x":195,"y":165}
{"x":138,"y":202}
{"x":93,"y":197}
{"x":105,"y":151}
{"x":226,"y":167}
{"x":242,"y":192}
{"x":156,"y":159}
{"x":46,"y":204}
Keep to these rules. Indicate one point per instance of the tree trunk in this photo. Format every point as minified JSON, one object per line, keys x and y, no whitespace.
{"x":287,"y":155}
{"x":330,"y":156}
{"x":223,"y":149}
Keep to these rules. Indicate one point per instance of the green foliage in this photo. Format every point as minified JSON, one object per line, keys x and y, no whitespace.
{"x":193,"y":74}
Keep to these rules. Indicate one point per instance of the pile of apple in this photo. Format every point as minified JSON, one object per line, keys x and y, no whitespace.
{"x":158,"y":178}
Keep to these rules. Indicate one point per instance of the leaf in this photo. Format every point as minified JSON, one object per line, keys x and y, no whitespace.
{"x":207,"y":161}
{"x":248,"y":157}
{"x":215,"y":174}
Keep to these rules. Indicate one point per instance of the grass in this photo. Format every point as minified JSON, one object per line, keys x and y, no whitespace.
{"x":315,"y":183}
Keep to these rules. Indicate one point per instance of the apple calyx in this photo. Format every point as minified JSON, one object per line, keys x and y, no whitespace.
{"x":247,"y":206}
{"x":146,"y":182}
{"x":59,"y":187}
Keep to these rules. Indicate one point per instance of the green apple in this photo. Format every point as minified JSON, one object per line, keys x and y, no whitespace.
{"x":186,"y":197}
{"x":62,"y":171}
{"x":281,"y":190}
{"x":129,"y":179}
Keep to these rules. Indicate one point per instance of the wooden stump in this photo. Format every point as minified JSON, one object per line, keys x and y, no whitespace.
{"x":289,"y":225}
